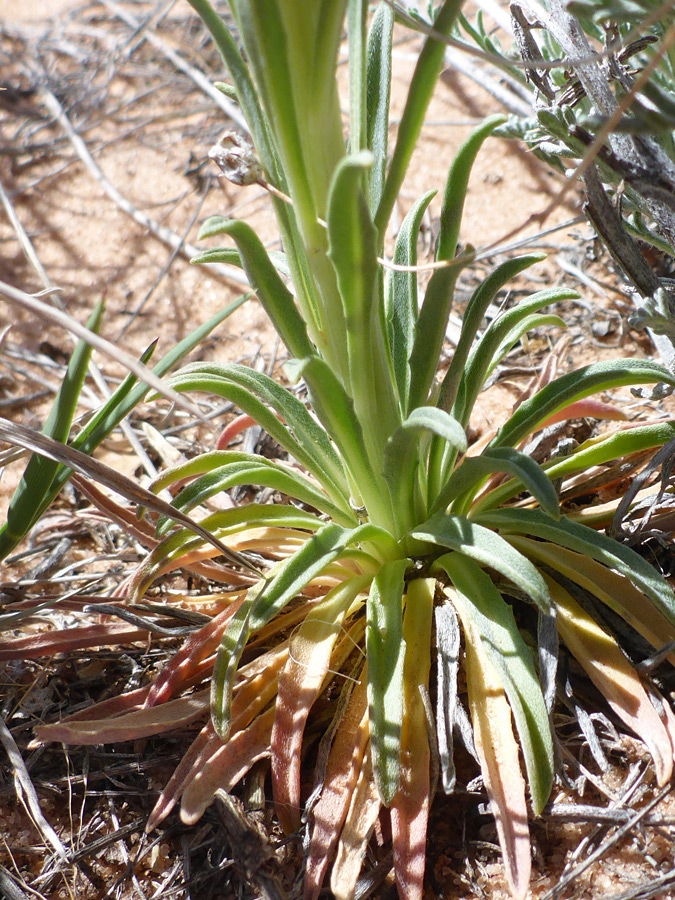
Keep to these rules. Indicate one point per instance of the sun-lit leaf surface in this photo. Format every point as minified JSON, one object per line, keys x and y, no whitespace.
{"x":311,"y":646}
{"x":226,"y":766}
{"x":474,"y":469}
{"x":410,"y":806}
{"x":385,"y":650}
{"x":68,"y":639}
{"x":344,"y":764}
{"x":618,"y":592}
{"x":139,"y":723}
{"x":575,"y":386}
{"x":615,"y":678}
{"x":488,"y":549}
{"x":496,"y":636}
{"x":500,"y":764}
{"x":586,"y":541}
{"x":361,"y":819}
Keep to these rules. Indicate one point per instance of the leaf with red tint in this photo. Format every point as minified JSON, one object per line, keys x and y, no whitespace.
{"x":361,"y":818}
{"x":198,"y":647}
{"x":588,"y":408}
{"x":69,"y":640}
{"x":499,"y":757}
{"x":138,"y":723}
{"x":342,"y":772}
{"x":614,"y":677}
{"x":311,"y":646}
{"x":202,"y":748}
{"x":410,"y":807}
{"x":226,"y":766}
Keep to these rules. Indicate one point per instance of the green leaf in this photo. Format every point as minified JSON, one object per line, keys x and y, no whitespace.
{"x":511,"y":339}
{"x":282,"y":583}
{"x":594,"y":452}
{"x":483,"y":353}
{"x":169,"y":553}
{"x":335,"y":411}
{"x":378,"y":90}
{"x":589,"y":542}
{"x":401,"y":296}
{"x":427,"y":70}
{"x":576,"y":385}
{"x":223,"y":469}
{"x":271,"y":290}
{"x":476,"y":308}
{"x":254,"y":393}
{"x":33,"y":490}
{"x":468,"y":476}
{"x":385,"y":649}
{"x":404,"y":453}
{"x":122,"y":401}
{"x":487,"y":548}
{"x":457,"y":184}
{"x":430,"y":332}
{"x":493,"y":620}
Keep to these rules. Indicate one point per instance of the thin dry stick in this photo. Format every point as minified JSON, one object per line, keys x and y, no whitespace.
{"x":607,"y":845}
{"x":24,"y":240}
{"x":26,"y":793}
{"x":602,"y":135}
{"x":56,"y":317}
{"x":230,"y":108}
{"x":159,"y":231}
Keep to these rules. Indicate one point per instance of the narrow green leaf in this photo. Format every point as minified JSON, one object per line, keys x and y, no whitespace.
{"x":576,"y":385}
{"x":476,"y":308}
{"x":262,"y":398}
{"x":484,"y":351}
{"x":427,"y":70}
{"x":472,"y":471}
{"x":589,"y":542}
{"x":335,"y":411}
{"x":34,"y":488}
{"x":352,"y":248}
{"x":430,"y":333}
{"x":357,"y":11}
{"x":404,"y":453}
{"x":594,"y":452}
{"x":488,"y":549}
{"x":223,"y":469}
{"x":281,"y":584}
{"x":122,"y":401}
{"x":385,"y":649}
{"x":457,"y":184}
{"x":272,"y":292}
{"x":378,"y":90}
{"x":493,"y":620}
{"x":401,"y":296}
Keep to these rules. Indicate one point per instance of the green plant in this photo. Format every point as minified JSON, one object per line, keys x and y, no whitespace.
{"x":399,"y":536}
{"x":610,"y":113}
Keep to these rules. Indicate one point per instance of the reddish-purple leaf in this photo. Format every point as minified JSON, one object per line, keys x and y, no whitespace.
{"x":226,"y":766}
{"x":130,"y":726}
{"x":361,"y":819}
{"x":311,"y":646}
{"x":342,"y":771}
{"x":70,"y":639}
{"x":198,"y":647}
